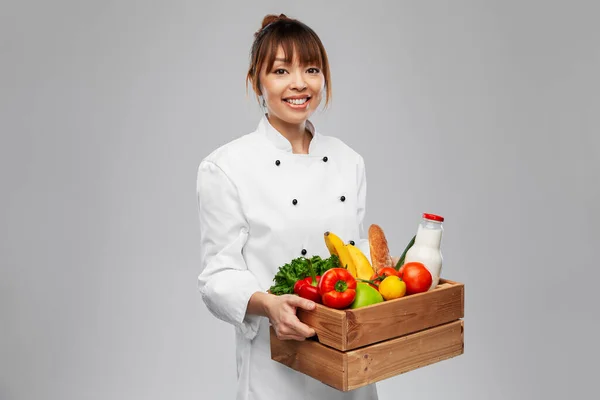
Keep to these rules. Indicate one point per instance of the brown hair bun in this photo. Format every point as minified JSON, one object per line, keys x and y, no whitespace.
{"x":272,"y":18}
{"x":268,"y":20}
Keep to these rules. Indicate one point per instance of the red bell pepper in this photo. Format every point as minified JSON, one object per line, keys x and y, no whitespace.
{"x":308,"y":287}
{"x":337,"y":288}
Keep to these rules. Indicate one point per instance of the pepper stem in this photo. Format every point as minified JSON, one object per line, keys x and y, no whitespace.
{"x":341,"y":286}
{"x":374,"y":281}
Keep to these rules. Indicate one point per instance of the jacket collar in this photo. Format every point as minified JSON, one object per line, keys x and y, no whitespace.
{"x":280,"y":141}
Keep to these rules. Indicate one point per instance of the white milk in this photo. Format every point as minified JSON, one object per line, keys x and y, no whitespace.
{"x":427,"y":246}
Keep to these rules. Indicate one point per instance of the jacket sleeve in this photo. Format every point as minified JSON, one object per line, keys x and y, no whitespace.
{"x":224,"y":281}
{"x":363,"y":242}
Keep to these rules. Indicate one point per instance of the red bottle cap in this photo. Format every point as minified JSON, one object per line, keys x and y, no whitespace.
{"x":433,"y":217}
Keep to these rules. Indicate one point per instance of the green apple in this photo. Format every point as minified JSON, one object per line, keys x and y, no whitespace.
{"x":366,"y":295}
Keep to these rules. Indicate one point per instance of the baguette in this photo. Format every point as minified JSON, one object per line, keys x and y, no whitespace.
{"x":380,"y":252}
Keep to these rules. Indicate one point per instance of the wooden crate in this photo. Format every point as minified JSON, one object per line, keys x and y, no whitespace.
{"x":354,"y":348}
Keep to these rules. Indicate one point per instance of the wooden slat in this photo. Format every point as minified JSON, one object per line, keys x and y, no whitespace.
{"x":409,"y":314}
{"x":311,"y":358}
{"x":396,"y":356}
{"x":328,"y":323}
{"x":444,"y":280}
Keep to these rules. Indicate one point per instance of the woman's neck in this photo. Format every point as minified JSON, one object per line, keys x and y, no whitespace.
{"x":297,"y":134}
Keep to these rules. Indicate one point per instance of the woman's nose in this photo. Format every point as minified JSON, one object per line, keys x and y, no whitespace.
{"x":298,"y":81}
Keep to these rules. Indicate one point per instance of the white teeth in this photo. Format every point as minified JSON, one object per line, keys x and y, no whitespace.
{"x":297,"y":101}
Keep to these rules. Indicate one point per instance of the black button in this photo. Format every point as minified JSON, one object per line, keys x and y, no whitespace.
{"x":277,"y":162}
{"x":352,"y":242}
{"x":343,"y":198}
{"x":294,"y":202}
{"x":303,"y":252}
{"x":325,"y":159}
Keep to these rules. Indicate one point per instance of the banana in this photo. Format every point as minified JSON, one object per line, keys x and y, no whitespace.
{"x":336,"y":246}
{"x":364,"y":270}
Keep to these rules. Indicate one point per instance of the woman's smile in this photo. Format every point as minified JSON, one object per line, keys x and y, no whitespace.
{"x":297,"y":102}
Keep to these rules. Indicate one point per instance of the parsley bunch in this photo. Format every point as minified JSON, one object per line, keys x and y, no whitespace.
{"x":297,"y":269}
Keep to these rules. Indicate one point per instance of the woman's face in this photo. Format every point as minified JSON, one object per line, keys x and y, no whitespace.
{"x":292,"y":92}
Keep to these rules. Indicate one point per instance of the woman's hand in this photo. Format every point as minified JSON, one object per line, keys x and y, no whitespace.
{"x":281,"y":311}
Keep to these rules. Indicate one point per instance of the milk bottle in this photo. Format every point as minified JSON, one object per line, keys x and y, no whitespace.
{"x":427,"y":246}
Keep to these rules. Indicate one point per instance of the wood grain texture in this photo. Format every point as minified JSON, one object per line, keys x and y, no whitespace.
{"x":397,"y":356}
{"x":350,"y":329}
{"x":399,"y":317}
{"x":329,"y":324}
{"x":313,"y":359}
{"x":356,"y":368}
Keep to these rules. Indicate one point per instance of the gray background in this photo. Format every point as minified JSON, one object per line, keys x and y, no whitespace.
{"x":484,"y":112}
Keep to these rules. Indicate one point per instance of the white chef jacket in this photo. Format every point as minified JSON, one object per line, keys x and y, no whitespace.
{"x":260,"y":206}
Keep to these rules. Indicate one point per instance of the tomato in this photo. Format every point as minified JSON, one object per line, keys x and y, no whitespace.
{"x":337,"y":288}
{"x":416,"y":276}
{"x":387,"y":271}
{"x":401,"y":270}
{"x":382,"y":274}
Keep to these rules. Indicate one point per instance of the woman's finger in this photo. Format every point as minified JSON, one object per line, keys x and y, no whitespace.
{"x":297,"y":301}
{"x":294,"y":327}
{"x":303,"y":329}
{"x":291,"y":337}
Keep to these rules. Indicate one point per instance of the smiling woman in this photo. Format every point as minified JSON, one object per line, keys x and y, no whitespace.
{"x":267,"y":198}
{"x":289,"y":69}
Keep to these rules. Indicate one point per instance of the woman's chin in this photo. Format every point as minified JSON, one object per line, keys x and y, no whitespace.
{"x":293,"y":117}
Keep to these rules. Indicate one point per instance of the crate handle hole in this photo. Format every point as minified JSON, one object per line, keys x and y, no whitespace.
{"x":314,"y":338}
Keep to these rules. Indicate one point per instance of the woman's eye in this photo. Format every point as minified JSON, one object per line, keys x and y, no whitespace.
{"x":313,"y":70}
{"x":279,"y":71}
